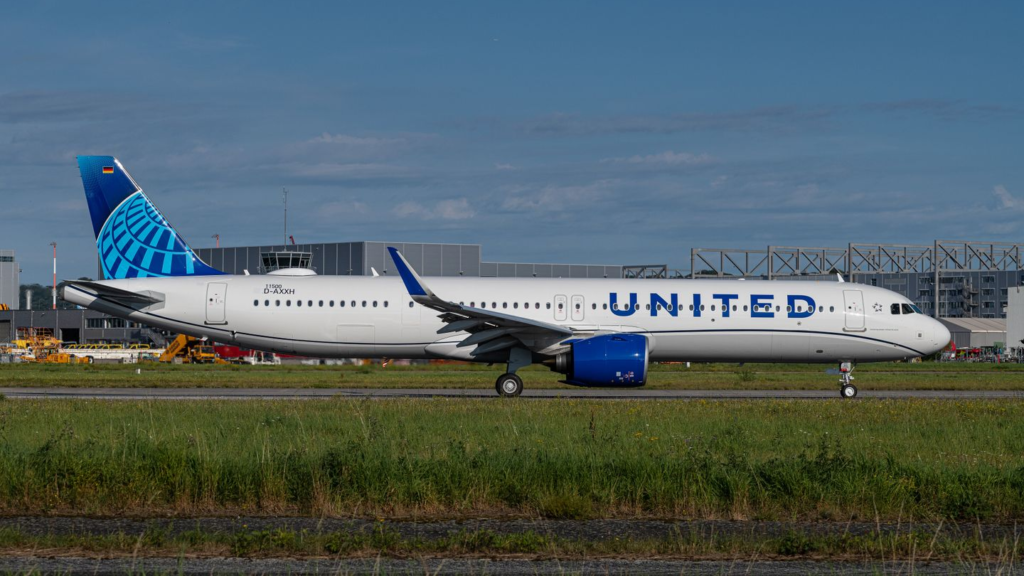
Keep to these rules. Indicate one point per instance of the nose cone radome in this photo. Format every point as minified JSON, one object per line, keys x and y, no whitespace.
{"x":940,"y":337}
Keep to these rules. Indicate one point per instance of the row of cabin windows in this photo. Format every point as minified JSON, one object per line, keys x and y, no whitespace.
{"x":330,"y":303}
{"x":526,"y":305}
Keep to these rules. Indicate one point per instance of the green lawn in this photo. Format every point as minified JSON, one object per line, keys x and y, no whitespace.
{"x":836,"y":460}
{"x":886,"y":376}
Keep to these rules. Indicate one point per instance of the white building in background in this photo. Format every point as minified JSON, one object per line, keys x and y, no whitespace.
{"x":1015,"y":318}
{"x":9,"y":279}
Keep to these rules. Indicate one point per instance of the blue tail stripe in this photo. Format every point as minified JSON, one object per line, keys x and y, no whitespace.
{"x":132,"y":237}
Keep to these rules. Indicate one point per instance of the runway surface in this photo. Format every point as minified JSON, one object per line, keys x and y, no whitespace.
{"x":582,"y":393}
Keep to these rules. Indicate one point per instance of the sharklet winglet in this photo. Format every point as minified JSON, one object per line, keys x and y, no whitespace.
{"x":412,"y":280}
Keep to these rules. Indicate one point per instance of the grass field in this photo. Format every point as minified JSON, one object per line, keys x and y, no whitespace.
{"x":922,"y":545}
{"x":825,"y":460}
{"x":885,"y":376}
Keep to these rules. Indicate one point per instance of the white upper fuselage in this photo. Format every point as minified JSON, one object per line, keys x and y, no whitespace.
{"x":331,"y":316}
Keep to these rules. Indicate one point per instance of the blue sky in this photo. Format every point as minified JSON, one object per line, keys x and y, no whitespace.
{"x":548,"y":132}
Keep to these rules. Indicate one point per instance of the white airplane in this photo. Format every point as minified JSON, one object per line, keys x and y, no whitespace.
{"x":597,"y":332}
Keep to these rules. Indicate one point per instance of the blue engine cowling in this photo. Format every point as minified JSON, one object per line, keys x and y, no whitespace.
{"x":606,"y":360}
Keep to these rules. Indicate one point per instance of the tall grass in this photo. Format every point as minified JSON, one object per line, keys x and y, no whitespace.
{"x":921,"y":460}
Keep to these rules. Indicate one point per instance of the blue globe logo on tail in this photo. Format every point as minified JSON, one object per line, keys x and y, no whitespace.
{"x":133,"y":238}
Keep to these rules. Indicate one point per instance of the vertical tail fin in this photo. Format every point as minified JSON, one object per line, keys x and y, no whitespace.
{"x":133,"y":238}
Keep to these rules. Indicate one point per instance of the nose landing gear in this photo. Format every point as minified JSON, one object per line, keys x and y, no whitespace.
{"x":847,"y":389}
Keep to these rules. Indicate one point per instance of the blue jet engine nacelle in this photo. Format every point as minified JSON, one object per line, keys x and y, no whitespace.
{"x":606,"y":360}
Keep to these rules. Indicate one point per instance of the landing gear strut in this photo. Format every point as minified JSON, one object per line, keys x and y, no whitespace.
{"x":847,"y":389}
{"x":509,"y":385}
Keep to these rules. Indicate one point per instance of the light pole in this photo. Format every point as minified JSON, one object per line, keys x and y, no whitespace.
{"x":56,"y":324}
{"x":217,"y":238}
{"x":54,"y":244}
{"x":284,"y":192}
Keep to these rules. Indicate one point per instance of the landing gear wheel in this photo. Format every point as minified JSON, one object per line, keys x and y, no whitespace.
{"x":509,"y":385}
{"x":848,"y":391}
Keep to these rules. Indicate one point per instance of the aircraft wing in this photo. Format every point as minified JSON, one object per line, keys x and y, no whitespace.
{"x":489,"y":330}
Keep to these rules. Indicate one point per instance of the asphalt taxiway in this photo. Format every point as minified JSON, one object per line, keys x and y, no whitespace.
{"x":578,"y":393}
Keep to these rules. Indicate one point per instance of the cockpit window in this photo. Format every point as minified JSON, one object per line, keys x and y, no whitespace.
{"x":907,"y":309}
{"x":895,"y":308}
{"x":916,"y":309}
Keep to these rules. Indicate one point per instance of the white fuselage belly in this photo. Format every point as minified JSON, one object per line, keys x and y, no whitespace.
{"x":850,"y":322}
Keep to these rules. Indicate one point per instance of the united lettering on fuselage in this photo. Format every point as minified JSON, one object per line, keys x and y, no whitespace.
{"x":760,"y":305}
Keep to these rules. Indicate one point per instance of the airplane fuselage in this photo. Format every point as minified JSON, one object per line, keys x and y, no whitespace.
{"x":684,"y":320}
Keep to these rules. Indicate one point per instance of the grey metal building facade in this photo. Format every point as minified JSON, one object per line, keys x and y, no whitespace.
{"x":80,"y":327}
{"x":10,"y":281}
{"x":361,"y":258}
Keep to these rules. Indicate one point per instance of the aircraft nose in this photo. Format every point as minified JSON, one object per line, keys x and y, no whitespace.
{"x":940,"y":336}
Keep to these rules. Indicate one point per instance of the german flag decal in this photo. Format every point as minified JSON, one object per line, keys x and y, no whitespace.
{"x":108,"y":169}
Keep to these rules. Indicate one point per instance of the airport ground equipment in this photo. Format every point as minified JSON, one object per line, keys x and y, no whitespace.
{"x":190,"y":350}
{"x":53,"y":355}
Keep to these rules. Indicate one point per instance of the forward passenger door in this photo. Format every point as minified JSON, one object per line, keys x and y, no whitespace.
{"x":854,"y":300}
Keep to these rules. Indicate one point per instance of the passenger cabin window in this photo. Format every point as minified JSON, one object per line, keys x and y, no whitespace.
{"x":255,"y":302}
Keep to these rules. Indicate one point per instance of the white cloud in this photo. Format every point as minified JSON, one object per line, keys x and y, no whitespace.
{"x":667,"y":158}
{"x":1007,"y":200}
{"x":355,"y":141}
{"x":504,"y":167}
{"x":452,"y":209}
{"x":555,"y":198}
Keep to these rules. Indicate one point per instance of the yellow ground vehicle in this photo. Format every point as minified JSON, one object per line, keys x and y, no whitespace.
{"x":55,"y":356}
{"x":189,"y":350}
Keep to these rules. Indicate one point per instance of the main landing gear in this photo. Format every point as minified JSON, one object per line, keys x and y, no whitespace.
{"x":509,"y":385}
{"x":847,"y":389}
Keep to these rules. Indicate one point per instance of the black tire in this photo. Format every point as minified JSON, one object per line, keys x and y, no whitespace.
{"x":508,"y":386}
{"x":848,"y":391}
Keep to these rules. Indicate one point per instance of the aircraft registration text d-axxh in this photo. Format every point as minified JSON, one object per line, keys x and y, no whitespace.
{"x":597,"y":332}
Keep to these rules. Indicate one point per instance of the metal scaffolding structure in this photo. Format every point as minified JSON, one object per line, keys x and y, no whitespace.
{"x":948,"y":267}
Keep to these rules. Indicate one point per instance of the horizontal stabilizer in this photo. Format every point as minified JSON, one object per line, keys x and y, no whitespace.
{"x":105,"y":292}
